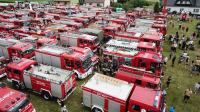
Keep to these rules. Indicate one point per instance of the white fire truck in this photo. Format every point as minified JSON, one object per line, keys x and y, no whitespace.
{"x":134,"y":45}
{"x":66,"y":58}
{"x":14,"y":48}
{"x":48,"y":81}
{"x":107,"y":94}
{"x":79,"y":40}
{"x":14,"y":101}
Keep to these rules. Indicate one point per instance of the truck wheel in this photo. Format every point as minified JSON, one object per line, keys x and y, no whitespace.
{"x":96,"y":110}
{"x":16,"y":85}
{"x":46,"y":95}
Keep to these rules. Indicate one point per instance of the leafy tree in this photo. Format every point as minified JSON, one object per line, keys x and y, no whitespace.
{"x":157,"y":8}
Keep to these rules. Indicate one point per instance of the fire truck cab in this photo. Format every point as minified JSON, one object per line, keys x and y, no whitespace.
{"x":14,"y":101}
{"x":79,"y":40}
{"x":138,"y":76}
{"x":47,"y":80}
{"x":107,"y":94}
{"x":10,"y":49}
{"x":66,"y":58}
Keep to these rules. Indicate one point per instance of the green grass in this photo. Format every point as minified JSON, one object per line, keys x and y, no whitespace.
{"x":182,"y":78}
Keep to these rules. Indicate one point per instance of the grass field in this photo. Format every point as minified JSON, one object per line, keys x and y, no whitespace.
{"x":182,"y":78}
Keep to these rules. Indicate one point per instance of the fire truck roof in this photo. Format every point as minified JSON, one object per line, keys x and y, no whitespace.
{"x":50,"y":73}
{"x":76,"y":35}
{"x":90,"y":30}
{"x":21,"y":64}
{"x":146,"y":96}
{"x":150,"y":55}
{"x":6,"y":43}
{"x":120,"y":51}
{"x":55,"y":50}
{"x":23,"y":46}
{"x":9,"y":98}
{"x":152,"y":37}
{"x":122,"y":44}
{"x":147,"y":45}
{"x":110,"y":86}
{"x":127,"y":34}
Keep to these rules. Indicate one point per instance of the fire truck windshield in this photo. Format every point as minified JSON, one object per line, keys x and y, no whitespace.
{"x":87,"y":63}
{"x":19,"y":106}
{"x":27,"y":51}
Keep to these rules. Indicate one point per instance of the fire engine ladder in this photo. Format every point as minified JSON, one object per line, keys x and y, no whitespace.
{"x":108,"y":80}
{"x":5,"y":43}
{"x":67,"y":50}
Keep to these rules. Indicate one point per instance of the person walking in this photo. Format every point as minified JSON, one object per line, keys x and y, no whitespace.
{"x":187,"y":29}
{"x":168,"y":81}
{"x":173,"y":60}
{"x":187,"y":95}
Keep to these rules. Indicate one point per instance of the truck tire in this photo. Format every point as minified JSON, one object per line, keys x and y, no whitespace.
{"x":16,"y":85}
{"x":96,"y":110}
{"x":46,"y":95}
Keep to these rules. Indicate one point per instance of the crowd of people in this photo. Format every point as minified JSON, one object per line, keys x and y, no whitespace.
{"x":180,"y":41}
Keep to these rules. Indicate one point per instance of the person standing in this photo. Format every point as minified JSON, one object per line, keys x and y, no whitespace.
{"x":168,"y":81}
{"x":187,"y":29}
{"x":173,"y":60}
{"x":187,"y":95}
{"x":62,"y":106}
{"x":172,"y":109}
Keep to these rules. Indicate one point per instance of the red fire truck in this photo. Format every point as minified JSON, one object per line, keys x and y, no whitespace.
{"x":138,"y":76}
{"x":49,"y":81}
{"x":134,"y":45}
{"x":79,"y":40}
{"x":66,"y":58}
{"x":150,"y":61}
{"x":12,"y":48}
{"x":14,"y":101}
{"x":106,"y":94}
{"x":3,"y":63}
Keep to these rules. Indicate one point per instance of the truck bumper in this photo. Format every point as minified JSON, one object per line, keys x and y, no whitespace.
{"x":89,"y":72}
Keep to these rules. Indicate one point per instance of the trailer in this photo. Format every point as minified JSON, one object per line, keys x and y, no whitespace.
{"x":66,"y":58}
{"x":138,"y":76}
{"x":106,"y":94}
{"x":13,"y":101}
{"x":48,"y":81}
{"x":80,"y":40}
